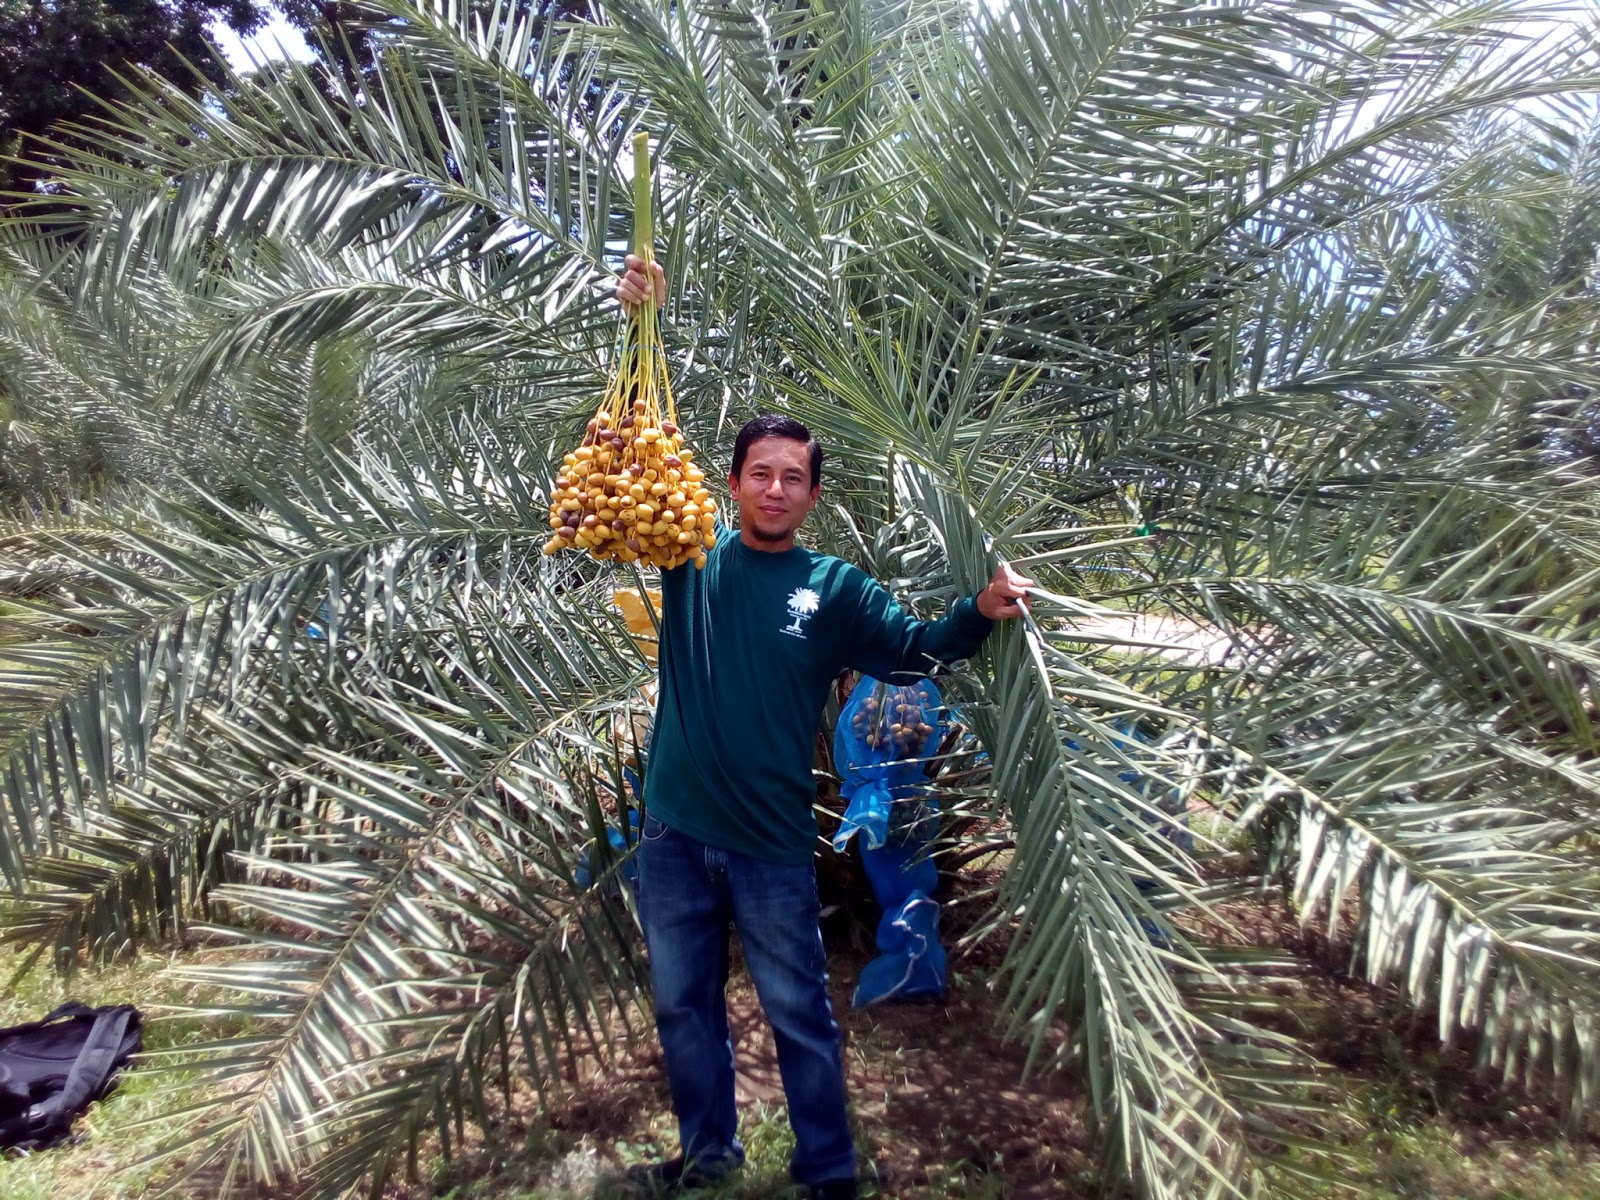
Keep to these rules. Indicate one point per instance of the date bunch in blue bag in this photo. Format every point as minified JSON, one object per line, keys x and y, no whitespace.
{"x":886,"y":734}
{"x":881,"y":747}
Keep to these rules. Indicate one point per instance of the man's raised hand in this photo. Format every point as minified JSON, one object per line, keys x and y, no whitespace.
{"x":633,"y":290}
{"x":1007,"y":594}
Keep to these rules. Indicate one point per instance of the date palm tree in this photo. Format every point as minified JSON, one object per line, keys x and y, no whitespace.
{"x":1182,"y":308}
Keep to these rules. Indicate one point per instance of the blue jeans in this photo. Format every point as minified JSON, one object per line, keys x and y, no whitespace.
{"x":689,"y":894}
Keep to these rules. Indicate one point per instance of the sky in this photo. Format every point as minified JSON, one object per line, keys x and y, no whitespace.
{"x":276,"y":39}
{"x":279,"y":39}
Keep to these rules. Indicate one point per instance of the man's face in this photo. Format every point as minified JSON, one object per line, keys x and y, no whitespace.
{"x":773,"y":490}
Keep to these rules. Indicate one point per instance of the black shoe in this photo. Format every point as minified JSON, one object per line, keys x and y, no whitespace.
{"x":670,"y":1178}
{"x":835,"y":1189}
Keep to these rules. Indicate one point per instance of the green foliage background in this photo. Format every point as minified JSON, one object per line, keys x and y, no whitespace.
{"x":56,"y":59}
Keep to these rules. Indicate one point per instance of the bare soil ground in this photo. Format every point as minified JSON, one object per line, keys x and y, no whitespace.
{"x":941,"y":1104}
{"x":945,"y":1108}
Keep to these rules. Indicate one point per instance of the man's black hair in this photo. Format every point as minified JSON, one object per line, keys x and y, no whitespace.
{"x":775,"y":425}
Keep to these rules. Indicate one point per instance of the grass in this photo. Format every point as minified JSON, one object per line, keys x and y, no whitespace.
{"x":1435,"y":1161}
{"x":8,"y":634}
{"x":1417,"y":1124}
{"x":1425,"y":1128}
{"x":556,"y":1168}
{"x":104,"y":1159}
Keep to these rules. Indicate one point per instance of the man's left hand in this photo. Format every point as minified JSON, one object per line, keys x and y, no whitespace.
{"x":1007,"y":594}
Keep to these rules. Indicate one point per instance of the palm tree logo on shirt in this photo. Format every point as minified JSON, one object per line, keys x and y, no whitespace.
{"x":803,"y":602}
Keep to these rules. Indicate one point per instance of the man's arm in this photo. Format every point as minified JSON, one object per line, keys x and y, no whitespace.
{"x":889,"y":644}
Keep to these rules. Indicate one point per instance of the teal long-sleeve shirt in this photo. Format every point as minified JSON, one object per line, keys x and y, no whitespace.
{"x":749,"y":646}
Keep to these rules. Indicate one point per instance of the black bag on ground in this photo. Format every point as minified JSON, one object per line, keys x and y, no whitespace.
{"x":51,"y":1070}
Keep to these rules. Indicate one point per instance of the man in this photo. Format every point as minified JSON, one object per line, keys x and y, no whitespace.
{"x":749,"y":647}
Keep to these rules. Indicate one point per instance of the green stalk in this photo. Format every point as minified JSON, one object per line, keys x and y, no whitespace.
{"x":644,"y":327}
{"x":643,"y":234}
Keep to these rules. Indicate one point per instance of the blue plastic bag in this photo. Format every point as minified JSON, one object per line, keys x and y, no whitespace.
{"x":584,"y":874}
{"x":911,"y":962}
{"x":1131,"y":741}
{"x":881,"y":745}
{"x":902,"y":865}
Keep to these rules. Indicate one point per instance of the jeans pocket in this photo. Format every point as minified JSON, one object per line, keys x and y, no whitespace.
{"x":653,"y":829}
